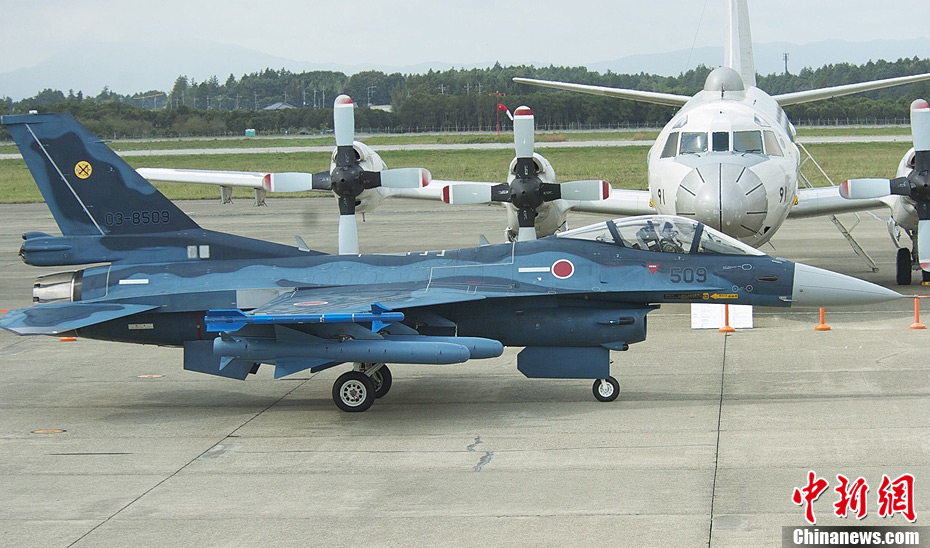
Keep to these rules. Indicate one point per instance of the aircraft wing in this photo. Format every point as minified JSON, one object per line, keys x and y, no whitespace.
{"x":797,"y":97}
{"x":55,"y":318}
{"x":620,"y":202}
{"x":668,"y":99}
{"x":827,"y":201}
{"x":271,"y":182}
{"x":354,"y":299}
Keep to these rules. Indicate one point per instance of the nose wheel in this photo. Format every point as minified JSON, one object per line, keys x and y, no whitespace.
{"x":606,"y":389}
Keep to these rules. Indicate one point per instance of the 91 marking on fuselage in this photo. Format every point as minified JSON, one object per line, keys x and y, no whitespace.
{"x":82,"y":169}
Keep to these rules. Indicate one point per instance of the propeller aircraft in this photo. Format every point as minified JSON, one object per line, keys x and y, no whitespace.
{"x":908,"y":197}
{"x":358,"y":177}
{"x":728,"y":157}
{"x":153,"y":276}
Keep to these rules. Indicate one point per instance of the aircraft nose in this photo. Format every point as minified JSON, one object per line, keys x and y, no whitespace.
{"x":728,"y":197}
{"x":818,"y":287}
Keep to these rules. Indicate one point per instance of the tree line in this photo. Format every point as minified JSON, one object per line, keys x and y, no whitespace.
{"x":455,"y":99}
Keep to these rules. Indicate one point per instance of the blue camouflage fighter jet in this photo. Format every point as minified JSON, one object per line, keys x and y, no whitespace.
{"x":233,"y":303}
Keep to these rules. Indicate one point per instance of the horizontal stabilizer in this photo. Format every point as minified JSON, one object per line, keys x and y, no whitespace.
{"x":56,"y":318}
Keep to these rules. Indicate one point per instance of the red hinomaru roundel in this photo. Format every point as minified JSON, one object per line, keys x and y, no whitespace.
{"x":563,"y":268}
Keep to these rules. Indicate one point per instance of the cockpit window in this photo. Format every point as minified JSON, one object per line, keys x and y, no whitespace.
{"x":721,"y":141}
{"x":693,"y":143}
{"x":661,"y":233}
{"x":771,"y":144}
{"x":657,"y":233}
{"x":596,"y":232}
{"x":747,"y":141}
{"x":671,"y":146}
{"x":718,"y":243}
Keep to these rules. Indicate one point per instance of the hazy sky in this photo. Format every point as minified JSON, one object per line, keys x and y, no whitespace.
{"x":399,"y":33}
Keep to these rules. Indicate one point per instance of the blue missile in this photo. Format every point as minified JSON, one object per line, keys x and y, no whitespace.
{"x":372,"y":351}
{"x":230,"y":320}
{"x":478,"y":347}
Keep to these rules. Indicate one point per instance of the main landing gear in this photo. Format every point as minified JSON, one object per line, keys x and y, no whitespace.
{"x":356,"y":390}
{"x":905,"y":266}
{"x":606,"y":389}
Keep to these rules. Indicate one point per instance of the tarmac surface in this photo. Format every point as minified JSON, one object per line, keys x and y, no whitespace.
{"x":709,"y":438}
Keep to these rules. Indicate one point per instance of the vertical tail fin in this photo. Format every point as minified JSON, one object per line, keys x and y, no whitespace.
{"x":738,"y":52}
{"x":88,"y":188}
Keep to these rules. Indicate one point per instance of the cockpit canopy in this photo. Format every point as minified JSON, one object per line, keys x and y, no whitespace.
{"x":662,"y":233}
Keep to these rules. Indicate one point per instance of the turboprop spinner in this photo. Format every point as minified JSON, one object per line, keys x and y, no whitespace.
{"x":916,"y":185}
{"x":526,"y":191}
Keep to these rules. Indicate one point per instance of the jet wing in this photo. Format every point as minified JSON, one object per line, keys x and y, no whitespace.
{"x":355,"y":299}
{"x":667,"y":99}
{"x":827,"y":201}
{"x":55,"y":318}
{"x":620,"y":202}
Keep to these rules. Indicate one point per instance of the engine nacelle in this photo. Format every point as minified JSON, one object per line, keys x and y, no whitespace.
{"x":544,"y":169}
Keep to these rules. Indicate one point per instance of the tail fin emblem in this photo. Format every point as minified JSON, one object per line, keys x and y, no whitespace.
{"x":82,"y":169}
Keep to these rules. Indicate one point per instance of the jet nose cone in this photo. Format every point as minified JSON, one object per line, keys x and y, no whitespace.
{"x":818,"y":287}
{"x":728,"y":197}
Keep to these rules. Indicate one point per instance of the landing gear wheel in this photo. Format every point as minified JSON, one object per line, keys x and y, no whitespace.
{"x":606,"y":389}
{"x":382,"y":381}
{"x":903,"y":266}
{"x":353,"y":392}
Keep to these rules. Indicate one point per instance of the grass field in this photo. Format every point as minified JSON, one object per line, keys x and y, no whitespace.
{"x":624,"y":167}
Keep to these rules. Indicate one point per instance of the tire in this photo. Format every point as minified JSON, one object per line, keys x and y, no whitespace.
{"x":353,"y":392}
{"x":606,"y":389}
{"x":382,"y":380}
{"x":903,"y":266}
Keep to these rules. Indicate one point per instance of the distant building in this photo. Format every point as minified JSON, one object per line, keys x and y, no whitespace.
{"x":279,"y":106}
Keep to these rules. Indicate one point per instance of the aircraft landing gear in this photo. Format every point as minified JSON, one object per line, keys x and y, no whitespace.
{"x":903,"y":266}
{"x":379,"y":374}
{"x":354,"y":392}
{"x":606,"y":389}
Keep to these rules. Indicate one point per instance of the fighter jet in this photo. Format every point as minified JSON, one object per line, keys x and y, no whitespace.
{"x":234,"y":303}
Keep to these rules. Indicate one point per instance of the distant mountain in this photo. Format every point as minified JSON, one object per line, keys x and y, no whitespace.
{"x":131,"y":68}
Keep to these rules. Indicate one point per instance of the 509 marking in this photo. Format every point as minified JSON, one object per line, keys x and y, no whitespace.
{"x":688,"y":275}
{"x":137,"y":218}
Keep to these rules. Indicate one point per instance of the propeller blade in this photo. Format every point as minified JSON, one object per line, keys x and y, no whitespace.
{"x":854,"y":189}
{"x":344,"y":121}
{"x":587,"y":190}
{"x":288,"y":182}
{"x":923,"y":244}
{"x":526,"y":218}
{"x":348,"y":235}
{"x":323,"y":181}
{"x":524,"y":127}
{"x":405,"y":177}
{"x":920,"y":124}
{"x":467,"y":194}
{"x":550,"y":191}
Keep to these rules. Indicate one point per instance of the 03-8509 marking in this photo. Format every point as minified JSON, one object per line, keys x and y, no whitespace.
{"x":119,"y":218}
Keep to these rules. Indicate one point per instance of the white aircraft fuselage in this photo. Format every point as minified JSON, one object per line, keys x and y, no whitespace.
{"x":727,"y":159}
